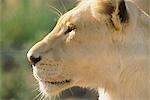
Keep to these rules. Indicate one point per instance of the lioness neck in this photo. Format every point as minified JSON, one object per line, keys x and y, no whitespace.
{"x":133,"y":79}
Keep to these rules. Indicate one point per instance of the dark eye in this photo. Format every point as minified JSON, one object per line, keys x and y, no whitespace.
{"x":70,"y":28}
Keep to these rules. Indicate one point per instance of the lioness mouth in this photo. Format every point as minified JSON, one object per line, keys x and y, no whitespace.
{"x":59,"y":82}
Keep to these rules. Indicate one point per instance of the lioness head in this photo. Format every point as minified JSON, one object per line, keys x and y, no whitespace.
{"x":80,"y":50}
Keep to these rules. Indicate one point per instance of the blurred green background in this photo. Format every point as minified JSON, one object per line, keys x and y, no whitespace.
{"x":22,"y":24}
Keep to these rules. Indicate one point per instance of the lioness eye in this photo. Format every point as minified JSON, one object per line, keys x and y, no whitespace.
{"x":69,"y":29}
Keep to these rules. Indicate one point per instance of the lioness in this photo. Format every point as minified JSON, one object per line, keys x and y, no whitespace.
{"x":103,"y":44}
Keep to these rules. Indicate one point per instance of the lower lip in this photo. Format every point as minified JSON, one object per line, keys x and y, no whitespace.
{"x":58,"y":83}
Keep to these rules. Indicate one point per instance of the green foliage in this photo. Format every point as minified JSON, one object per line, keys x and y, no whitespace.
{"x":22,"y":24}
{"x":25,"y":24}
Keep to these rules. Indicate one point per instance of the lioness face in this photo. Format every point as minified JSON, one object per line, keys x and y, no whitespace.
{"x":70,"y":55}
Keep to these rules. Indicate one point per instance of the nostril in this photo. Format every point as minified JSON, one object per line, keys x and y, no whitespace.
{"x":34,"y":60}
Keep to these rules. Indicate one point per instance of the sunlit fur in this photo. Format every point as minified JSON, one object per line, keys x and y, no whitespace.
{"x":101,"y":52}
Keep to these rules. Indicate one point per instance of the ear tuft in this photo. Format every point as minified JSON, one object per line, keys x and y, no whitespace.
{"x":104,"y":7}
{"x":110,"y":7}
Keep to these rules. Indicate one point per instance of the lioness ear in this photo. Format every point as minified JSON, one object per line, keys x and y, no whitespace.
{"x":114,"y":8}
{"x":121,"y":11}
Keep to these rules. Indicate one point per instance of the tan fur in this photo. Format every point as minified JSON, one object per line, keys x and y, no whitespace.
{"x":96,"y":54}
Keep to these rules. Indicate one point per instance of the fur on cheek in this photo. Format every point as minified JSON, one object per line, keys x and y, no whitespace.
{"x":70,"y":37}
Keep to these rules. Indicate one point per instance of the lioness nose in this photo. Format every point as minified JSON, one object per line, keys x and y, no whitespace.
{"x":33,"y":60}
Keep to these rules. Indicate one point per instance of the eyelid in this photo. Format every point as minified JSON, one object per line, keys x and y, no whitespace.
{"x":70,"y":28}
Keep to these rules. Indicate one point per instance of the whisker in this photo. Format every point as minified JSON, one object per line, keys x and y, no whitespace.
{"x":37,"y":96}
{"x":54,"y":97}
{"x":42,"y":96}
{"x":71,"y":91}
{"x":57,"y":97}
{"x":62,"y":3}
{"x":58,"y":12}
{"x":35,"y":84}
{"x":45,"y":97}
{"x":60,"y":94}
{"x":36,"y":89}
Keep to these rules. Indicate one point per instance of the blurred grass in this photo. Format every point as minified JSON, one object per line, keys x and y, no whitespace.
{"x":22,"y":24}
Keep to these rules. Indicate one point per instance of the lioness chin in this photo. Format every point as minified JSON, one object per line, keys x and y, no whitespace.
{"x":103,"y":44}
